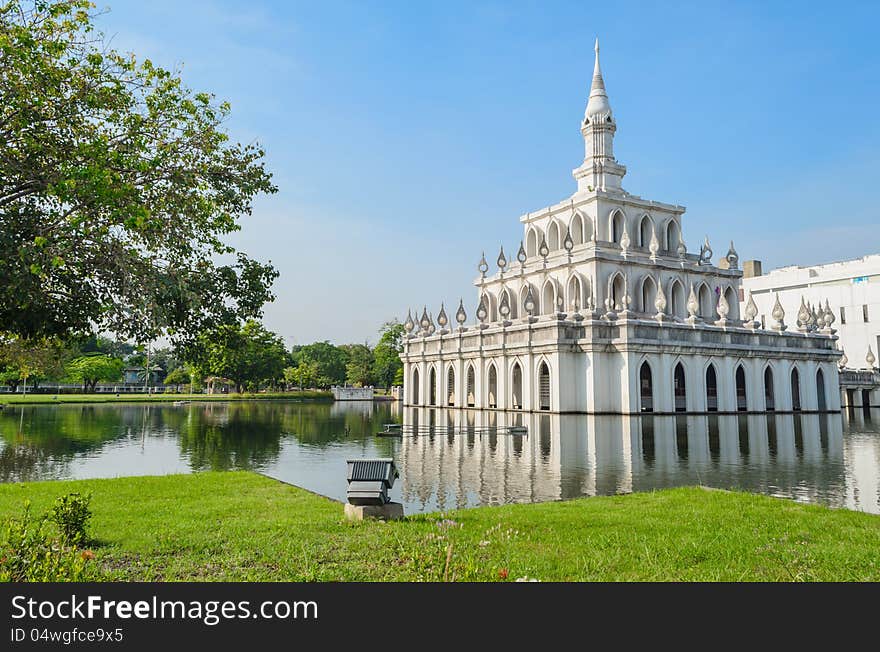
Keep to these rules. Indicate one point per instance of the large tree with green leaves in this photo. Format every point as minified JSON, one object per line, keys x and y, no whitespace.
{"x":386,"y":354}
{"x":92,"y":368}
{"x":330,"y":362}
{"x":359,"y":370}
{"x":249,"y":355}
{"x":23,"y":359}
{"x":118,"y":185}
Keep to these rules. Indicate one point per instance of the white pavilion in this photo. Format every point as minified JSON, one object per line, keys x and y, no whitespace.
{"x":605,"y":311}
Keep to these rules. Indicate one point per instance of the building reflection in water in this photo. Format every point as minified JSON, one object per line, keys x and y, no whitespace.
{"x":462,"y":458}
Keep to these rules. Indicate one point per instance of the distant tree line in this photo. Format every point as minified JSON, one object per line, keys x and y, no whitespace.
{"x":247,"y":357}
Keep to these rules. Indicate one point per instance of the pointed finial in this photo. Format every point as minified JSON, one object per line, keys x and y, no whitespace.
{"x":442,"y":319}
{"x":502,"y":259}
{"x":751,"y":311}
{"x":482,"y":311}
{"x":483,"y":267}
{"x":409,"y":324}
{"x":870,"y":359}
{"x":598,"y":104}
{"x":521,"y":254}
{"x":778,"y":315}
{"x":461,"y":315}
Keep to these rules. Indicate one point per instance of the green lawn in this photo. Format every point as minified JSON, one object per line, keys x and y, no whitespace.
{"x":243,"y":526}
{"x":16,"y":399}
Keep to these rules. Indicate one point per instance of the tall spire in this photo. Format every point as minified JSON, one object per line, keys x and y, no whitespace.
{"x":600,"y":170}
{"x":598,"y":104}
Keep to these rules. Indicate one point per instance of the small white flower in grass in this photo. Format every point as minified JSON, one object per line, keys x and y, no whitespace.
{"x":527,"y":579}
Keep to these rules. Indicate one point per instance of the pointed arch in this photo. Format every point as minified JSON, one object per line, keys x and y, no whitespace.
{"x":672,"y":236}
{"x":677,"y":300}
{"x":679,"y":387}
{"x":432,"y":386}
{"x":648,"y":295}
{"x":795,"y":389}
{"x":492,"y":386}
{"x":491,"y":306}
{"x":616,"y":223}
{"x":554,"y":239}
{"x":822,"y":403}
{"x":516,"y":386}
{"x":616,"y":290}
{"x":470,"y":388}
{"x":711,"y":388}
{"x":741,"y":395}
{"x":532,"y":241}
{"x":769,"y":391}
{"x":577,"y":228}
{"x":415,"y":386}
{"x":646,"y":228}
{"x":574,"y":292}
{"x":732,"y":302}
{"x":543,"y":385}
{"x":706,"y":301}
{"x":548,"y":297}
{"x":450,"y":386}
{"x":646,"y":387}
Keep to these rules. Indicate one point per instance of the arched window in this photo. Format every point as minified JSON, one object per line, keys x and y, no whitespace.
{"x":432,"y":389}
{"x":617,"y":292}
{"x":795,"y":389}
{"x":649,"y":295}
{"x":741,"y":400}
{"x":532,"y":243}
{"x":575,"y":295}
{"x":491,"y":306}
{"x":707,"y":303}
{"x":711,"y":389}
{"x":673,"y":236}
{"x":450,"y":387}
{"x":820,"y":390}
{"x":548,"y":299}
{"x":553,"y":236}
{"x":577,"y":229}
{"x":616,"y":227}
{"x":677,"y":301}
{"x":732,"y":302}
{"x":769,"y":394}
{"x":471,"y":384}
{"x":516,"y":387}
{"x":543,"y":387}
{"x":492,"y":398}
{"x":646,"y":228}
{"x":415,"y":387}
{"x":646,"y":388}
{"x":679,"y":388}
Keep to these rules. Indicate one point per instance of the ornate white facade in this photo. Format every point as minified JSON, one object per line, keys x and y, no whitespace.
{"x":605,"y":311}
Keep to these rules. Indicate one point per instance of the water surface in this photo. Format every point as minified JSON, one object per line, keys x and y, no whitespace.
{"x":458,"y":458}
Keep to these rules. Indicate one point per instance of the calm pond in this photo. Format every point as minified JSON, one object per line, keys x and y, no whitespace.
{"x":459,"y":458}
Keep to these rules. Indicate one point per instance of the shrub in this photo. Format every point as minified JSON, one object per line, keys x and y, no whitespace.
{"x":31,"y":552}
{"x":71,"y":514}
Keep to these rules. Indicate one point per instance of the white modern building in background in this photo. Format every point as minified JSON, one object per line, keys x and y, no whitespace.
{"x":605,"y":311}
{"x":851,"y":288}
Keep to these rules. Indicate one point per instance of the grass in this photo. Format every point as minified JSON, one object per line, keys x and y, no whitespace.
{"x":18,"y":399}
{"x":243,"y":526}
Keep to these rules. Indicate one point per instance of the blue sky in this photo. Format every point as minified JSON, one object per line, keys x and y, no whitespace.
{"x":406,"y":137}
